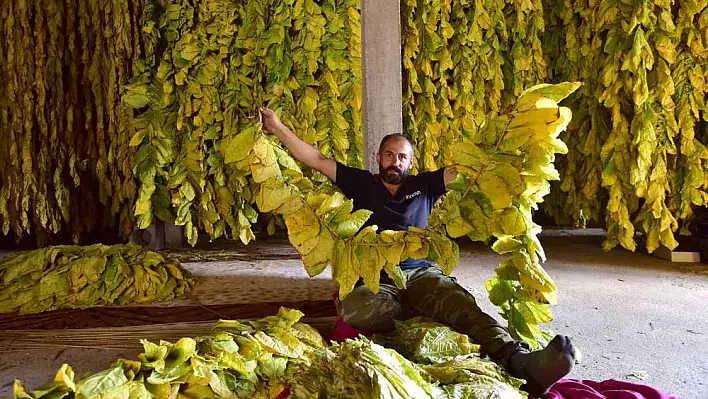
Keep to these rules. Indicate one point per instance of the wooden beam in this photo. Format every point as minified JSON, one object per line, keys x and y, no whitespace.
{"x":148,"y":315}
{"x":122,"y":338}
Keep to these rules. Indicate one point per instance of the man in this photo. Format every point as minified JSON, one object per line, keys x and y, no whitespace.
{"x":399,"y":200}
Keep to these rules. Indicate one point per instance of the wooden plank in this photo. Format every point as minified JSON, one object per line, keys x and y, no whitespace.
{"x":263,"y":248}
{"x":146,"y":315}
{"x":123,"y":338}
{"x":254,"y":281}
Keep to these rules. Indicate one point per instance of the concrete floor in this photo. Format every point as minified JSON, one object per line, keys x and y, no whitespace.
{"x":631,"y":314}
{"x":628,"y":313}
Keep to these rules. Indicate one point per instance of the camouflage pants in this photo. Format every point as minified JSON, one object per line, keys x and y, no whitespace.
{"x":430,"y":293}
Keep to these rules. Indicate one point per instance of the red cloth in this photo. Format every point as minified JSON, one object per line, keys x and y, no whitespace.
{"x":283,"y":394}
{"x":343,"y":331}
{"x":608,"y":389}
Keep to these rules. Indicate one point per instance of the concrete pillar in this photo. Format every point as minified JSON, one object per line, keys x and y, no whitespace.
{"x":382,"y":74}
{"x":159,"y":236}
{"x":174,"y":236}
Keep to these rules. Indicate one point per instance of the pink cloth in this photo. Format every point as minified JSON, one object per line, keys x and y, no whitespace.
{"x":608,"y":389}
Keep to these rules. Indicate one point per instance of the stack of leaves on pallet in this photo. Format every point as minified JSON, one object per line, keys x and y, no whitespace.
{"x":278,"y":356}
{"x":73,"y":277}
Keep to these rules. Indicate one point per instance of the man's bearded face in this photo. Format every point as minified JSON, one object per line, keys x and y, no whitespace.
{"x":396,"y":161}
{"x":392,"y":174}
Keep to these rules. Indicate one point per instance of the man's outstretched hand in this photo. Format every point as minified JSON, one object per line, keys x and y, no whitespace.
{"x":301,"y":150}
{"x":271,"y":122}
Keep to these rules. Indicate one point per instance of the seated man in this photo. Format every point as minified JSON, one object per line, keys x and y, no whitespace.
{"x":399,"y":200}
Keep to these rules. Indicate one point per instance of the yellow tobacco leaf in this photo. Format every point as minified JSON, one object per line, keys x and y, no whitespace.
{"x":272,"y":194}
{"x":238,"y":147}
{"x":445,"y":252}
{"x":494,"y":188}
{"x":317,"y":260}
{"x":556,"y":92}
{"x":536,"y":117}
{"x":267,"y":167}
{"x":333,"y":202}
{"x":292,"y":204}
{"x":308,"y":245}
{"x":302,"y":225}
{"x":469,"y":155}
{"x":511,"y":177}
{"x":513,"y":222}
{"x":392,"y":235}
{"x":344,"y":270}
{"x":370,"y":264}
{"x":416,"y":246}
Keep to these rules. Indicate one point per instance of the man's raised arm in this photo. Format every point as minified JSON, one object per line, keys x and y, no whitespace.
{"x":300,"y":149}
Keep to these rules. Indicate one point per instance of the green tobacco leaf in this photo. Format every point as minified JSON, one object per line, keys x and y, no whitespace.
{"x":426,"y":341}
{"x":136,"y":100}
{"x":180,"y":352}
{"x":349,"y":225}
{"x":501,"y":291}
{"x":103,"y":382}
{"x":153,"y":356}
{"x":506,"y":244}
{"x":61,"y":386}
{"x":533,"y":312}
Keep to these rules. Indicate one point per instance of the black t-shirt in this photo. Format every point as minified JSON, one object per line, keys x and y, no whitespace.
{"x":411,"y":205}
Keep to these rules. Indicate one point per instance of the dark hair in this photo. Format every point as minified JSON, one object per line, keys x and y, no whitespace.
{"x":397,"y":137}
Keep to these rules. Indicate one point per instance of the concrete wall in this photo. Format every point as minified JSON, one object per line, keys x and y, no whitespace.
{"x":382,"y":75}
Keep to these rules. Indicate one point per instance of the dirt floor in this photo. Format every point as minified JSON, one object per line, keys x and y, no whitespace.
{"x":634,"y":317}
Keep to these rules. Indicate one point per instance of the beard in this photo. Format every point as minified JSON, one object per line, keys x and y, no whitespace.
{"x":393,"y":175}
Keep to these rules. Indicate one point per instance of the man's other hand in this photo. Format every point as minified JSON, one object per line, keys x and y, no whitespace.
{"x":271,"y":122}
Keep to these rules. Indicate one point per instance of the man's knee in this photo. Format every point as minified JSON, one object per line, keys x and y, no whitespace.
{"x":437,"y":295}
{"x":434,"y":284}
{"x":368,"y":311}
